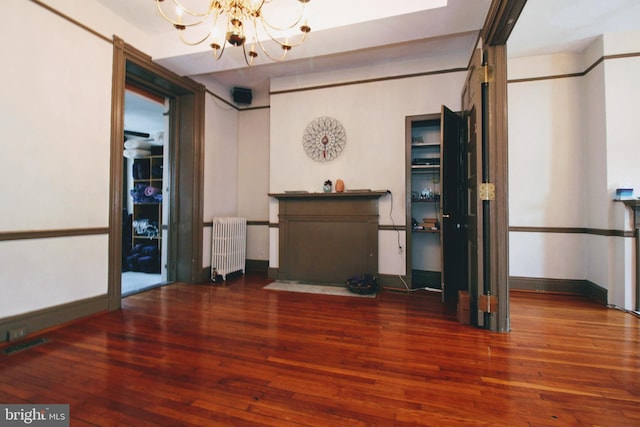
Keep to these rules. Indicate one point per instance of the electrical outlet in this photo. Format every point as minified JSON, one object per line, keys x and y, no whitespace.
{"x":17,"y":333}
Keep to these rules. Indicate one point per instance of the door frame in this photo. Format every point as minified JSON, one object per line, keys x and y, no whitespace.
{"x":408,"y":205}
{"x":187,"y":165}
{"x":496,"y":214}
{"x":494,"y":265}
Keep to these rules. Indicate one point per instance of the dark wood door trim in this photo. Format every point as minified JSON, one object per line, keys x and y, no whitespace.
{"x":501,"y":19}
{"x":498,"y":232}
{"x":114,"y":287}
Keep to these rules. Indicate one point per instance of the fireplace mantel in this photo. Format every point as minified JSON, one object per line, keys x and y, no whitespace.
{"x":327,"y":237}
{"x":344,"y":195}
{"x":634,"y":205}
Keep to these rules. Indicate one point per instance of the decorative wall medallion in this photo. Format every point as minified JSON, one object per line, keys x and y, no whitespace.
{"x":324,"y":139}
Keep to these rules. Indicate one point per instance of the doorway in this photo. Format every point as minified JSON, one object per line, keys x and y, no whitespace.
{"x":185,"y":166}
{"x":146,"y":202}
{"x":436,"y":201}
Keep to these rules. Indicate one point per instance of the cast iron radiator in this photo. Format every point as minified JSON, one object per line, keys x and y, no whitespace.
{"x":228,"y":246}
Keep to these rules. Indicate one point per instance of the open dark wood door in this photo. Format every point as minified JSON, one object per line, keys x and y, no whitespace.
{"x":453,"y":205}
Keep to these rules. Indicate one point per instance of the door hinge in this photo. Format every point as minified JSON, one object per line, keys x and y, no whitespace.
{"x":486,"y":74}
{"x":487,"y":191}
{"x":488,"y":303}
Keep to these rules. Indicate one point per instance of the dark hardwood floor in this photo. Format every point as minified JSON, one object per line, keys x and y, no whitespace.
{"x":237,"y":355}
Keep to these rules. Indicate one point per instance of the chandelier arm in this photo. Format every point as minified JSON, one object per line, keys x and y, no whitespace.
{"x":283,"y":44}
{"x":266,"y":52}
{"x":266,"y":23}
{"x":299,"y":42}
{"x":259,"y":8}
{"x":204,"y":15}
{"x":179,"y":22}
{"x":218,"y":56}
{"x":194,"y":43}
{"x":244,"y":52}
{"x":291,"y":44}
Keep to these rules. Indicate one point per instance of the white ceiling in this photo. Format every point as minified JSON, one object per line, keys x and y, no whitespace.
{"x":376,"y":33}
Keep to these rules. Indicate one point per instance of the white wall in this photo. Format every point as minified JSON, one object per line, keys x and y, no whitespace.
{"x":236,"y":179}
{"x":253,"y":179}
{"x":99,"y":18}
{"x":373,"y":115}
{"x":571,"y":144}
{"x":623,"y":151}
{"x":547,"y":169}
{"x":220,"y":166}
{"x":55,"y":116}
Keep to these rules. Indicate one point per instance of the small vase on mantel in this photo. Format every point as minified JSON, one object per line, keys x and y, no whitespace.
{"x":327,"y":186}
{"x":339,"y":186}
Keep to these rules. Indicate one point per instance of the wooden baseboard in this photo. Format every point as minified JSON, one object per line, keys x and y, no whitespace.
{"x":257,"y":265}
{"x":597,"y":293}
{"x":53,"y":316}
{"x":560,"y":286}
{"x":251,"y":265}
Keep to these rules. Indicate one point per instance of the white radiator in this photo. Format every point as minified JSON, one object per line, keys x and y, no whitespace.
{"x":228,"y":246}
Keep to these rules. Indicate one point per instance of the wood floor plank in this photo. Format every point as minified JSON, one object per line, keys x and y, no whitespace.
{"x":234,"y":354}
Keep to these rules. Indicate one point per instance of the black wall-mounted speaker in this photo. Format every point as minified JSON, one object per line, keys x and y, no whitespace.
{"x":242,"y":95}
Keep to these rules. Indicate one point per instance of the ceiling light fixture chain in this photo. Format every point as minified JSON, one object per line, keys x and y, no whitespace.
{"x":241,"y":19}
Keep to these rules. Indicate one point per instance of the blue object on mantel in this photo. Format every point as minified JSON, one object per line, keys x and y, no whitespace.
{"x":624,"y":192}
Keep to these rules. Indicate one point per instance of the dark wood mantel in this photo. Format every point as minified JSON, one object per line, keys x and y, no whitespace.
{"x":327,"y":237}
{"x":344,"y":195}
{"x":634,"y":205}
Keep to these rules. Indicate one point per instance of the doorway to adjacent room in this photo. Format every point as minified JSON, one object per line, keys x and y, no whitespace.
{"x":146,"y":202}
{"x":184,"y":100}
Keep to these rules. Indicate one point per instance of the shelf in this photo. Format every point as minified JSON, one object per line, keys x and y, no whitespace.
{"x":353,"y":194}
{"x":425,"y":144}
{"x":425,"y":168}
{"x":424,"y":158}
{"x":145,"y":251}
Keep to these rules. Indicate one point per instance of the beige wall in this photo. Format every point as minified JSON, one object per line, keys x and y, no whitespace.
{"x":55,"y":156}
{"x":571,"y":144}
{"x":253,"y":179}
{"x":55,"y":116}
{"x":373,"y":115}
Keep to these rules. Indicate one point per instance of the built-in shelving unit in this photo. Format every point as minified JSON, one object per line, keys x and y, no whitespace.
{"x":424,"y":253}
{"x":146,"y":221}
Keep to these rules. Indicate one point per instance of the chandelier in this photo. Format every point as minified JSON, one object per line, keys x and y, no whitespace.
{"x":234,"y":22}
